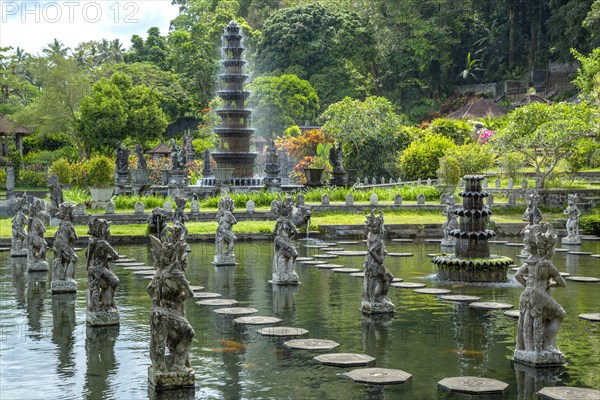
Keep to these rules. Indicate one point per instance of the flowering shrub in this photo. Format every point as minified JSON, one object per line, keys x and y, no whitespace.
{"x":156,"y":167}
{"x":485,"y":135}
{"x":194,"y":170}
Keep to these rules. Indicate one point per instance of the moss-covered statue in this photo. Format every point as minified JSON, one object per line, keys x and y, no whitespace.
{"x":18,"y":247}
{"x":377,"y":279}
{"x":224,"y":238}
{"x":572,"y":212}
{"x":285,"y":254}
{"x":65,"y":259}
{"x":36,"y":243}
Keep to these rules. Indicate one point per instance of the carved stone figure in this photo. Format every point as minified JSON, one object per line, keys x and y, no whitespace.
{"x":335,"y":158}
{"x":122,"y":158}
{"x":285,"y":254}
{"x":207,"y":170}
{"x":451,"y":221}
{"x":177,"y":156}
{"x":301,"y":213}
{"x":141,"y":160}
{"x":532,"y":214}
{"x":224,"y":238}
{"x":65,"y":259}
{"x":179,"y":214}
{"x":187,"y":147}
{"x":56,"y":193}
{"x":36,"y":244}
{"x":170,"y":332}
{"x":18,"y":246}
{"x":540,"y":315}
{"x":157,"y":220}
{"x":377,"y":279}
{"x":572,"y":212}
{"x":101,"y":281}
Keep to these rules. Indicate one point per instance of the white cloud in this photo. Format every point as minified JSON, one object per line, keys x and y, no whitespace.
{"x":33,"y":24}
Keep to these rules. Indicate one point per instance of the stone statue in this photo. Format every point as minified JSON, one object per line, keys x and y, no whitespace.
{"x":377,"y":278}
{"x":36,"y":243}
{"x":65,"y":259}
{"x":157,"y":220}
{"x":207,"y":170}
{"x":451,"y":221}
{"x":572,"y":212}
{"x":179,"y":214}
{"x":540,"y":315}
{"x":18,"y":246}
{"x":122,"y":158}
{"x":56,"y":193}
{"x":335,"y":158}
{"x":285,"y":254}
{"x":532,"y":214}
{"x":177,"y":156}
{"x":301,"y":214}
{"x":141,"y":160}
{"x":101,"y":281}
{"x":170,"y":332}
{"x":187,"y":147}
{"x":224,"y":235}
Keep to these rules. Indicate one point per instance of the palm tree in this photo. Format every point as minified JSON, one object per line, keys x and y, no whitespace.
{"x":56,"y":49}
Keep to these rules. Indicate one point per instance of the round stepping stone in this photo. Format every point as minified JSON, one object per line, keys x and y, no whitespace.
{"x":134,"y":264}
{"x":236,"y":310}
{"x":345,"y":270}
{"x":358,"y":274}
{"x":473,"y":385}
{"x":432,"y":291}
{"x":568,"y":393}
{"x":400,"y":254}
{"x":206,"y":295}
{"x":402,"y":240}
{"x":349,"y":253}
{"x":590,"y":238}
{"x":460,"y":297}
{"x":512,"y":244}
{"x":512,"y":314}
{"x":490,"y":305}
{"x":431,"y":254}
{"x":282,"y":331}
{"x":256,"y":320}
{"x":564,"y":274}
{"x":331,"y":249}
{"x":77,"y":248}
{"x":561,"y":250}
{"x":514,"y":269}
{"x":3,"y":249}
{"x":596,"y":255}
{"x":580,"y":253}
{"x":433,"y":240}
{"x":329,"y":266}
{"x":304,"y":258}
{"x":139,"y":268}
{"x":379,"y":376}
{"x":587,"y":279}
{"x":197,"y":288}
{"x":144,"y":272}
{"x":127,"y":260}
{"x":325,"y":256}
{"x":314,"y":262}
{"x":217,"y":302}
{"x":349,"y":242}
{"x":311,"y":344}
{"x":407,"y":285}
{"x":318,"y":246}
{"x":344,"y":359}
{"x":397,"y":280}
{"x":148,"y":277}
{"x":593,"y":317}
{"x":122,"y":256}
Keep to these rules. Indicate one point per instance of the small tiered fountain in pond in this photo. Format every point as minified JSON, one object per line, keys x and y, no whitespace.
{"x":472,"y":261}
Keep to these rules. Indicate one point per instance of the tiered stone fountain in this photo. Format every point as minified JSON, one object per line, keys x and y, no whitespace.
{"x":472,"y":261}
{"x":234,"y":148}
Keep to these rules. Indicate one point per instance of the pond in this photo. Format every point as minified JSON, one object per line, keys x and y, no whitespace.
{"x":48,"y":353}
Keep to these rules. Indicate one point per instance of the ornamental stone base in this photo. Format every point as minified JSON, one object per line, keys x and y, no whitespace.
{"x":377,"y":307}
{"x":448,"y":242}
{"x":289,"y":278}
{"x":224,"y":259}
{"x":161,"y":380}
{"x":19,"y":253}
{"x":102,"y":318}
{"x":571,"y":240}
{"x":38,"y":266}
{"x":492,"y":269}
{"x":66,"y":286}
{"x":542,"y":358}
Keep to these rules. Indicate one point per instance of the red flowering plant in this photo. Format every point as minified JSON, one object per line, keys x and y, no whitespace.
{"x":304,"y":148}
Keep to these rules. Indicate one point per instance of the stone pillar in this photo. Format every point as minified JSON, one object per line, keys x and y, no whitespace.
{"x":10,"y":181}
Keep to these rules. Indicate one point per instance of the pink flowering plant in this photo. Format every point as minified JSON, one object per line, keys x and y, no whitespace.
{"x":485,"y":135}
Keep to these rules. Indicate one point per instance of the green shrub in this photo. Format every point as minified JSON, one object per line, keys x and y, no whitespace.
{"x":449,"y":171}
{"x":511,"y":164}
{"x":3,"y":177}
{"x":62,"y":169}
{"x":456,"y":129}
{"x":586,"y":154}
{"x":125,"y":202}
{"x":472,"y":158}
{"x":101,"y":171}
{"x":77,"y":195}
{"x":32,"y":179}
{"x":590,"y":224}
{"x":421,"y":157}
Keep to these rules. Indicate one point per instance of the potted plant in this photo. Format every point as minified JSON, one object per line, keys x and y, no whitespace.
{"x":101,"y":172}
{"x":317,"y":164}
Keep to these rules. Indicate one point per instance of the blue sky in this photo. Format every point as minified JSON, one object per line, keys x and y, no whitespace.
{"x":33,"y":24}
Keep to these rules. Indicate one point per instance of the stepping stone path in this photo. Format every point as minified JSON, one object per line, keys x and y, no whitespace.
{"x":349,"y":242}
{"x":206,"y":295}
{"x":472,"y":385}
{"x":512,"y":314}
{"x":217,"y":302}
{"x":402,"y":240}
{"x":378,"y":376}
{"x":134,"y":264}
{"x":325,"y":256}
{"x":407,"y":285}
{"x":344,"y":359}
{"x":236,"y":310}
{"x":586,"y":279}
{"x":139,"y":268}
{"x":329,"y":266}
{"x":562,"y":250}
{"x":432,"y":291}
{"x":311,"y":344}
{"x":358,"y":274}
{"x":197,"y":288}
{"x":314,"y":262}
{"x":568,"y":393}
{"x":349,"y":253}
{"x":433,"y":240}
{"x":490,"y":305}
{"x":593,"y":317}
{"x":460,"y":297}
{"x":127,"y":260}
{"x":256,"y":320}
{"x":400,"y":254}
{"x":580,"y":253}
{"x":345,"y":270}
{"x":304,"y":258}
{"x":282,"y":331}
{"x":510,"y":244}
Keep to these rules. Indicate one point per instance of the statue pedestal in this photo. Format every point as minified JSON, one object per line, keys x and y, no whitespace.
{"x":339,"y":179}
{"x":66,"y":286}
{"x":102,"y":318}
{"x":448,"y":242}
{"x":123,"y":178}
{"x":377,"y":308}
{"x":37,"y":266}
{"x":177,"y":178}
{"x":571,"y":240}
{"x":224,"y":259}
{"x":161,"y":380}
{"x":19,"y":253}
{"x":542,"y":358}
{"x":285,"y":278}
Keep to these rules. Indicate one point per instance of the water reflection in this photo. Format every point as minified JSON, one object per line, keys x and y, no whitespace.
{"x":19,"y":267}
{"x":173,"y":394}
{"x":224,"y":279}
{"x":375,"y":334}
{"x":572,"y":264}
{"x":101,"y":362}
{"x":63,"y":327}
{"x":530,"y":380}
{"x":36,"y":291}
{"x":283,"y":300}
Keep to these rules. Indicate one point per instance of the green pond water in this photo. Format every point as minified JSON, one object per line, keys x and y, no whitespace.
{"x":46,"y":351}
